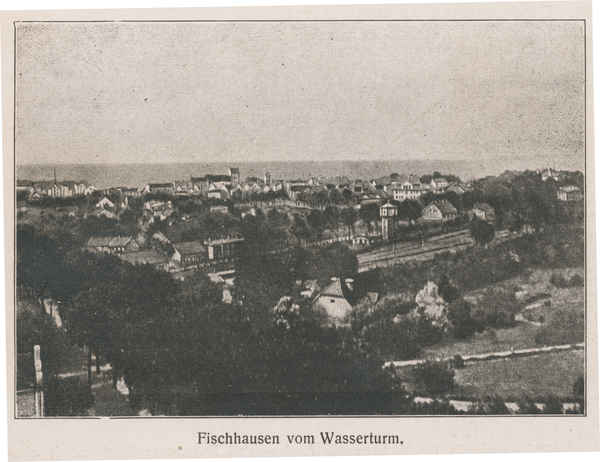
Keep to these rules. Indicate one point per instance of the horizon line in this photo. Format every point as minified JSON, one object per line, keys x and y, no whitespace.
{"x":256,"y":161}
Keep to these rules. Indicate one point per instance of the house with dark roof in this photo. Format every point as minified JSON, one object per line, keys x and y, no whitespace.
{"x":163,"y":188}
{"x":457,"y":188}
{"x":439,"y":211}
{"x":336,"y":302}
{"x":189,"y":253}
{"x":218,"y":178}
{"x":484,"y":211}
{"x":184,"y":188}
{"x":217,"y":191}
{"x":294,"y":190}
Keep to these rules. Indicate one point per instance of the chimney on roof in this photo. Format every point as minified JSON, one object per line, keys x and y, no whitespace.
{"x":350,"y":283}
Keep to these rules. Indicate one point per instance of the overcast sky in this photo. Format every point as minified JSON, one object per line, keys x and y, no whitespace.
{"x":186,"y":92}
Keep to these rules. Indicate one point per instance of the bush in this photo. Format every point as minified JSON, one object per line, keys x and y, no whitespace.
{"x":579,"y":387}
{"x":561,"y":282}
{"x":490,"y":405}
{"x":577,"y":281}
{"x":497,"y":309}
{"x":436,"y":377}
{"x":458,"y":362}
{"x":459,"y":314}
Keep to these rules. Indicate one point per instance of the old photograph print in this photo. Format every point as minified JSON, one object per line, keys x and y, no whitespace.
{"x":300,"y":218}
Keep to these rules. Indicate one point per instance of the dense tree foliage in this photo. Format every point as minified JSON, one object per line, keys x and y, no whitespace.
{"x":483,"y":233}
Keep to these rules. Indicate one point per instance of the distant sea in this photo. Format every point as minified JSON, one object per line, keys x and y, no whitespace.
{"x":136,"y":175}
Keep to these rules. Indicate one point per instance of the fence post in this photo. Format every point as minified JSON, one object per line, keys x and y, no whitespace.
{"x":39,"y":384}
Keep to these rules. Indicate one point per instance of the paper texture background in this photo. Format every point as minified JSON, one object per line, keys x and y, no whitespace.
{"x":164,"y":438}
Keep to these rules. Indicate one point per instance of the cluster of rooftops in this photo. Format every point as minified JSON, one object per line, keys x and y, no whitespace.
{"x":225,"y":186}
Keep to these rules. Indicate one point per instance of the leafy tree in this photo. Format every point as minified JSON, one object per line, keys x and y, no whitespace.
{"x":459,"y":314}
{"x":349,"y":217}
{"x":409,"y":210}
{"x":335,"y":197}
{"x":436,"y":377}
{"x":278,"y":229}
{"x":332,"y":219}
{"x":300,"y":229}
{"x":496,"y":309}
{"x":317,"y":221}
{"x":129,"y":222}
{"x":368,"y":214}
{"x":482,"y":232}
{"x":347,"y":195}
{"x":446,"y":290}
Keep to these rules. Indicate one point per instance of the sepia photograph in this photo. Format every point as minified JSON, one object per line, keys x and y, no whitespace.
{"x":300,"y":216}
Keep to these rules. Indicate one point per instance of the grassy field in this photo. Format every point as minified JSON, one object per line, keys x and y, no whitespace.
{"x":543,"y":375}
{"x":522,"y":335}
{"x":518,"y":337}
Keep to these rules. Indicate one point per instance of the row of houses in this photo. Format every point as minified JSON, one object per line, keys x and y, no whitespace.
{"x":181,"y":254}
{"x":230,"y":186}
{"x":394,"y":186}
{"x":210,"y":186}
{"x":38,"y":190}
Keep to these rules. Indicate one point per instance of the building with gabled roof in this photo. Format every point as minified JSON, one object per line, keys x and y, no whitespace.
{"x":457,"y":188}
{"x":335,"y":301}
{"x":104,"y":203}
{"x":406,"y":187}
{"x":484,"y":211}
{"x":156,"y":188}
{"x":439,"y":211}
{"x":189,"y":253}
